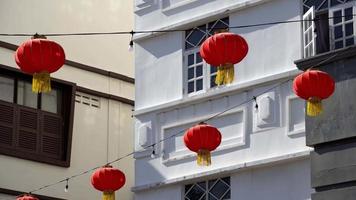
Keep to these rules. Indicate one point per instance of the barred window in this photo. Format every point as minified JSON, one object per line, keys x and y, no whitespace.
{"x":199,"y":76}
{"x":215,"y":189}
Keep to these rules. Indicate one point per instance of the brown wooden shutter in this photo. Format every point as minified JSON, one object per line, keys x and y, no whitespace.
{"x":7,"y":118}
{"x":52,"y":135}
{"x":28,"y":129}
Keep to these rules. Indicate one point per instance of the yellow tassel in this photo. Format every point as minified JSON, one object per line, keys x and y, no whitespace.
{"x":204,"y":158}
{"x":108,"y":195}
{"x":41,"y":82}
{"x":225,"y":74}
{"x":314,"y":107}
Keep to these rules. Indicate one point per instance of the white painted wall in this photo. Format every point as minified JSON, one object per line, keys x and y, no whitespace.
{"x":251,"y":137}
{"x":272,"y":50}
{"x":278,"y":182}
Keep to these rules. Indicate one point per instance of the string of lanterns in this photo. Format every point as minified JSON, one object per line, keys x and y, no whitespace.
{"x":40,"y":57}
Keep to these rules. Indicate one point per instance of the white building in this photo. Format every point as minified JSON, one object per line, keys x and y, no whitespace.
{"x":263,"y":153}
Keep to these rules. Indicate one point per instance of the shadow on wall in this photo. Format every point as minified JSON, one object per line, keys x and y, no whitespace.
{"x":171,"y":8}
{"x":164,"y":45}
{"x":264,"y":13}
{"x":143,"y":7}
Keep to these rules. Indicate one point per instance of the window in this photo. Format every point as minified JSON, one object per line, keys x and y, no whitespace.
{"x":329,"y":25}
{"x":215,"y":189}
{"x":199,"y":76}
{"x":35,"y":126}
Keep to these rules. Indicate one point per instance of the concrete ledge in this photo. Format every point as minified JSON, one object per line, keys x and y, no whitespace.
{"x":234,"y":88}
{"x":227,"y":170}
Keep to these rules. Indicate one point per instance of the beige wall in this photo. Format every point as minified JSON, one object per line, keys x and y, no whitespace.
{"x":66,"y":16}
{"x":98,"y":133}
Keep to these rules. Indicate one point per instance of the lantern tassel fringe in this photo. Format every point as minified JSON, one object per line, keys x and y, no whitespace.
{"x":204,"y":158}
{"x":314,"y":107}
{"x":41,"y":82}
{"x":225,"y":74}
{"x":108,"y":195}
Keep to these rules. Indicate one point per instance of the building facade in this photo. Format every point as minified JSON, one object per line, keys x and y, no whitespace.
{"x":86,"y":120}
{"x":263,"y":154}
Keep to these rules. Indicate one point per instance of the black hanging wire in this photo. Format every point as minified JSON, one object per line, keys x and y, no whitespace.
{"x":171,"y":30}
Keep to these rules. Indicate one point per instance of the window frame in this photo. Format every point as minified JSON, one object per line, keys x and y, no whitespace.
{"x":207,"y":189}
{"x":323,"y":8}
{"x":343,"y":38}
{"x":207,"y":74}
{"x":66,"y":114}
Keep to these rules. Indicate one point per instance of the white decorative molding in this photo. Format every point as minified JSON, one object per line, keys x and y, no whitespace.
{"x":168,"y":5}
{"x":227,"y":170}
{"x":232,"y":89}
{"x":141,"y":5}
{"x":144,"y":139}
{"x":228,"y":141}
{"x":295,"y":116}
{"x":267,"y":115}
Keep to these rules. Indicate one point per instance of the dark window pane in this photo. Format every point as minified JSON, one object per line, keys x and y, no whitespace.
{"x":190,"y":59}
{"x":339,"y":44}
{"x":25,"y":96}
{"x":49,"y":101}
{"x":213,"y":69}
{"x":335,"y":2}
{"x":196,"y":36}
{"x":219,"y":189}
{"x":190,"y":73}
{"x":227,"y":195}
{"x":199,"y":71}
{"x":190,"y":87}
{"x":195,"y":193}
{"x":338,"y":32}
{"x":337,"y":17}
{"x":6,"y":89}
{"x":348,"y":14}
{"x":349,"y":29}
{"x":211,"y":197}
{"x":349,"y":42}
{"x":198,"y":58}
{"x":212,"y":81}
{"x":199,"y":84}
{"x":187,"y":187}
{"x":226,"y":180}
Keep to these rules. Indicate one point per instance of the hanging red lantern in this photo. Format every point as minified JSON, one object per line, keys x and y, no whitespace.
{"x":108,"y":179}
{"x":40,"y":57}
{"x":202,"y":139}
{"x":314,"y":86}
{"x":27,"y":197}
{"x":223,"y":50}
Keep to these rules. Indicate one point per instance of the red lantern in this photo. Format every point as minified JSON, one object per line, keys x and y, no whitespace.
{"x":313,"y":86}
{"x":223,"y":50}
{"x":108,"y":180}
{"x":40,"y":57}
{"x":27,"y":197}
{"x":202,"y":139}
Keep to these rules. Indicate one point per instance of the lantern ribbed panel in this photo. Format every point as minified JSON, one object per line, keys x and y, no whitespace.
{"x":313,"y":83}
{"x":39,"y":55}
{"x":108,"y":179}
{"x":27,"y":197}
{"x":224,"y":48}
{"x":202,"y":136}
